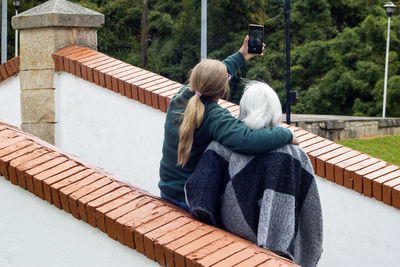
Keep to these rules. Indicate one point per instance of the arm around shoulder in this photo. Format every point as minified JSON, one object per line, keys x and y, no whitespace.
{"x":235,"y":135}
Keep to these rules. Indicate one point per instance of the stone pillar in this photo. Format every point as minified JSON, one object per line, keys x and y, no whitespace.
{"x":43,"y":30}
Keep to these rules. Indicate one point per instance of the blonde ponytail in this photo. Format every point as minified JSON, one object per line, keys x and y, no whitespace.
{"x":191,"y":121}
{"x":209,"y":78}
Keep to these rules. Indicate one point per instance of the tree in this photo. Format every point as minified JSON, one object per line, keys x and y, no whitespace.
{"x":144,"y":35}
{"x":338,"y":46}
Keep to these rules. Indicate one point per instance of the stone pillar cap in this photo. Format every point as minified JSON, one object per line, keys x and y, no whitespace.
{"x":58,"y":13}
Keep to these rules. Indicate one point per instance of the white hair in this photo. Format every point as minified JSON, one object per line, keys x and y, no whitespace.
{"x":260,"y":106}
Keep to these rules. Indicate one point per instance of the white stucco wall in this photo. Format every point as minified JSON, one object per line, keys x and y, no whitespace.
{"x":10,"y":103}
{"x":358,"y":230}
{"x":118,"y":134}
{"x":36,"y":234}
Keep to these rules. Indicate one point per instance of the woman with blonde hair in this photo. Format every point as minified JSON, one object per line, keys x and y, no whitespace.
{"x":194,"y":119}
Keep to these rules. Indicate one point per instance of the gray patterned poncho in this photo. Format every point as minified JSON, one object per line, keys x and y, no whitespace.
{"x":270,"y":199}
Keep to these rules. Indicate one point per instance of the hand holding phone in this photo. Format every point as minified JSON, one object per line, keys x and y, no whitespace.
{"x":256,"y":36}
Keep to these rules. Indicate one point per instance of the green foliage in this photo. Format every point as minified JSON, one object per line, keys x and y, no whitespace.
{"x":350,"y":13}
{"x":344,"y":75}
{"x":311,"y":21}
{"x":115,"y":37}
{"x":337,"y":46}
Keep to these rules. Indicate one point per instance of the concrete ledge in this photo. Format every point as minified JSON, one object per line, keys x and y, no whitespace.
{"x":389,"y":123}
{"x":332,"y":125}
{"x":345,"y":127}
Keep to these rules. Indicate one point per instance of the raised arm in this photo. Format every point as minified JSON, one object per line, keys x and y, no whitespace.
{"x":234,"y":62}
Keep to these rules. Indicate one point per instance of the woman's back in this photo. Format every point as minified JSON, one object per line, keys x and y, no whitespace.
{"x":194,"y":119}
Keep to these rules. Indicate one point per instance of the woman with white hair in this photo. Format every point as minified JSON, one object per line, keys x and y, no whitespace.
{"x":270,"y":199}
{"x":260,"y":106}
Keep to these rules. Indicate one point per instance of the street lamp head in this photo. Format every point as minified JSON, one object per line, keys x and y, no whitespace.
{"x":389,"y":7}
{"x":16,"y":4}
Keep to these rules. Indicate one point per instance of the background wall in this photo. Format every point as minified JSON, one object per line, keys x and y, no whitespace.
{"x":36,"y":234}
{"x":118,"y":134}
{"x":10,"y":103}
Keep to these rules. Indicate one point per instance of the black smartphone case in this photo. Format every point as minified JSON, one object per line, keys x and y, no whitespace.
{"x":256,"y":36}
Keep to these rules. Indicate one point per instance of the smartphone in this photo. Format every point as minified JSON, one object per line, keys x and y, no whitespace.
{"x":256,"y":36}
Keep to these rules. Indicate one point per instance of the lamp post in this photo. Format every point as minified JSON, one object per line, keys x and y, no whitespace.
{"x":389,"y":7}
{"x":203,"y":49}
{"x":3,"y":31}
{"x":291,"y":96}
{"x":16,"y":4}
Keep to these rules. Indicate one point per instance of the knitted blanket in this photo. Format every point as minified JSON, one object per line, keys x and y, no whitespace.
{"x":271,"y":199}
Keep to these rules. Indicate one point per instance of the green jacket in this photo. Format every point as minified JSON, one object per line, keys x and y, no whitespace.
{"x":218,"y":124}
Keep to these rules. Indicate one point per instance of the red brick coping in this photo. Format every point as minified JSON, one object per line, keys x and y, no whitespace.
{"x":344,"y":166}
{"x":135,"y":218}
{"x":147,"y":87}
{"x":9,"y":68}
